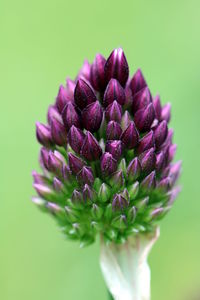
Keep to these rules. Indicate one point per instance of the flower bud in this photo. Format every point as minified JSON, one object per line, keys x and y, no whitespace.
{"x":92,"y":116}
{"x":83,"y":94}
{"x":134,"y":169}
{"x":41,"y":203}
{"x":166,"y":112}
{"x":174,"y":171}
{"x":104,"y":193}
{"x":144,"y":118}
{"x":133,"y":190}
{"x":77,"y":199}
{"x":66,"y":174}
{"x":76,"y":138}
{"x":114,"y":112}
{"x":113,"y":131}
{"x":88,"y":194}
{"x":160,"y":133}
{"x":126,"y":120}
{"x":55,"y":164}
{"x":137,"y":82}
{"x":57,"y":184}
{"x":85,"y":176}
{"x":85,"y":71}
{"x":149,"y":182}
{"x":58,"y":132}
{"x":141,"y":100}
{"x":148,"y":160}
{"x":97,"y":211}
{"x":114,"y":91}
{"x":43,"y":134}
{"x":160,"y":159}
{"x":75,"y":163}
{"x":108,"y":164}
{"x":157,"y":107}
{"x":115,"y":148}
{"x":70,"y":116}
{"x":130,"y":136}
{"x":120,"y":222}
{"x":119,"y":203}
{"x":62,"y":98}
{"x":44,"y":157}
{"x":164,"y":184}
{"x":53,"y":114}
{"x":132,"y":214}
{"x":173,"y":194}
{"x":97,"y":75}
{"x":146,"y":142}
{"x":44,"y":191}
{"x":70,"y":87}
{"x":117,"y":67}
{"x":41,"y":179}
{"x":117,"y":180}
{"x":91,"y":149}
{"x":172,"y":152}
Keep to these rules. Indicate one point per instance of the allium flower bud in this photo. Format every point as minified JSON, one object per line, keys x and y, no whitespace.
{"x":117,"y":67}
{"x":106,"y":155}
{"x":114,"y":91}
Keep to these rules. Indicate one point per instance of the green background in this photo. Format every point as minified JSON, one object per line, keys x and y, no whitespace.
{"x":43,"y":42}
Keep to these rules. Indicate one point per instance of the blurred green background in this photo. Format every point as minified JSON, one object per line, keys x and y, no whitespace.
{"x":42,"y":42}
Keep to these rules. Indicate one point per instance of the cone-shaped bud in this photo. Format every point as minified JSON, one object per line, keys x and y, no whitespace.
{"x":83,"y":94}
{"x":108,"y":164}
{"x":104,"y":193}
{"x":53,"y":114}
{"x":62,"y":98}
{"x":113,"y":131}
{"x":141,"y":100}
{"x":57,"y":184}
{"x":38,"y":178}
{"x":77,"y":199}
{"x":115,"y":148}
{"x":157,"y":212}
{"x":41,"y":203}
{"x":137,"y":82}
{"x":117,"y":67}
{"x":149,"y":182}
{"x":174,"y":171}
{"x":114,"y":91}
{"x":85,"y":176}
{"x":134,"y":169}
{"x":160,"y":133}
{"x":144,"y":118}
{"x":166,"y":112}
{"x":164,"y":184}
{"x":76,"y":138}
{"x":70,"y":116}
{"x":108,"y":211}
{"x":91,"y":149}
{"x":97,"y":74}
{"x":169,"y":138}
{"x":97,"y":211}
{"x":55,"y":164}
{"x":125,"y":194}
{"x":160,"y":160}
{"x":114,"y":112}
{"x":173,"y":194}
{"x":130,"y":136}
{"x":75,"y":163}
{"x":85,"y":71}
{"x":157,"y":107}
{"x":126,"y":120}
{"x":142,"y":203}
{"x":70,"y":87}
{"x":120,"y":222}
{"x":44,"y":158}
{"x":131,"y":214}
{"x":148,"y":160}
{"x":122,"y":166}
{"x":58,"y":132}
{"x":66,"y":174}
{"x":88,"y":194}
{"x":119,"y":203}
{"x":70,"y":214}
{"x":146,"y":142}
{"x":44,"y":191}
{"x":172,"y":152}
{"x":92,"y":116}
{"x":129,"y":98}
{"x":133,"y":190}
{"x":77,"y":230}
{"x":117,"y":180}
{"x":43,"y":134}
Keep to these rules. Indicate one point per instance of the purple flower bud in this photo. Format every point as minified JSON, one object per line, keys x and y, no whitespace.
{"x":108,"y":164}
{"x":57,"y":184}
{"x":97,"y":75}
{"x":88,"y":194}
{"x":91,"y":149}
{"x":43,"y":134}
{"x":62,"y":98}
{"x":149,"y":182}
{"x":160,"y":160}
{"x":120,"y":222}
{"x":129,"y":98}
{"x":66,"y":174}
{"x":137,"y":82}
{"x":44,"y":157}
{"x":77,"y":198}
{"x":58,"y":132}
{"x":142,"y":99}
{"x":144,"y":118}
{"x":117,"y":179}
{"x":115,"y":148}
{"x":174,"y":171}
{"x":114,"y":91}
{"x":76,"y":138}
{"x":85,"y":71}
{"x":75,"y":163}
{"x":117,"y":67}
{"x":70,"y":87}
{"x":119,"y":203}
{"x":134,"y":169}
{"x":92,"y":116}
{"x":43,"y":190}
{"x":146,"y":142}
{"x":114,"y":112}
{"x":83,"y":94}
{"x":38,"y":178}
{"x":70,"y":116}
{"x":157,"y":107}
{"x":166,"y":112}
{"x":164,"y":184}
{"x":55,"y":164}
{"x":160,"y":133}
{"x":130,"y":136}
{"x":53,"y":208}
{"x":113,"y":131}
{"x":172,"y":152}
{"x":157,"y":212}
{"x":126,"y":120}
{"x":85,"y":176}
{"x":168,"y":140}
{"x":53,"y":114}
{"x":148,"y":160}
{"x":173,"y":194}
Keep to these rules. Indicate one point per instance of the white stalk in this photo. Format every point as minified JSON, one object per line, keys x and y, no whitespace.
{"x":125,"y":267}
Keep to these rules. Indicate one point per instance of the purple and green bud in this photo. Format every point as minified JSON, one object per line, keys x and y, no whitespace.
{"x":137,"y":82}
{"x":43,"y":134}
{"x":114,"y":91}
{"x":83,"y":94}
{"x":113,"y":131}
{"x":91,"y":149}
{"x":114,"y":112}
{"x":97,"y":74}
{"x":130,"y":136}
{"x":92,"y":116}
{"x":76,"y":138}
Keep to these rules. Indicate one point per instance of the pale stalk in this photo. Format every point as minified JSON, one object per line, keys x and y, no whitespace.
{"x":125,"y":267}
